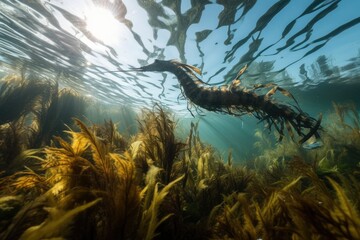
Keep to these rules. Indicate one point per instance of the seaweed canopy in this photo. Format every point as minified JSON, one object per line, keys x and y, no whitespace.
{"x":87,"y":185}
{"x":206,"y":180}
{"x":93,"y":184}
{"x":82,"y":170}
{"x":87,"y":171}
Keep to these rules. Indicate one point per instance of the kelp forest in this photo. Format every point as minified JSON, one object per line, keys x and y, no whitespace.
{"x":63,"y":176}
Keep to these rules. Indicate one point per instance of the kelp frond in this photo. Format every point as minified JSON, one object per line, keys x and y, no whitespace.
{"x":87,"y":169}
{"x":273,"y":218}
{"x":57,"y":223}
{"x":235,"y":220}
{"x":150,"y":219}
{"x":30,"y":180}
{"x":109,"y":133}
{"x":346,"y":214}
{"x":99,"y":149}
{"x":325,"y":217}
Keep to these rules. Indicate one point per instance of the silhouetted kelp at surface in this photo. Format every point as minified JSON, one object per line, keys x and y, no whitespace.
{"x":93,"y":183}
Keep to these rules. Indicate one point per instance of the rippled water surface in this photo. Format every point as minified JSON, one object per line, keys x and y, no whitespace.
{"x":288,"y":42}
{"x":309,"y":47}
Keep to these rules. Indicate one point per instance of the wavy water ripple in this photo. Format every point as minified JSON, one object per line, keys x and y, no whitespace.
{"x":292,"y":43}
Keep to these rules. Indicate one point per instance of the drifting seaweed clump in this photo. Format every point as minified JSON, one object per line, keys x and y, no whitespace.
{"x":91,"y":182}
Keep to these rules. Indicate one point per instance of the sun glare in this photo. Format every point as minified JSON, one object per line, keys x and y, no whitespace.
{"x":101,"y":23}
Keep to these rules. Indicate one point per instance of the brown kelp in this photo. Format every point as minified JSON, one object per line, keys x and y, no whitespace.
{"x":33,"y":110}
{"x":86,"y":170}
{"x":94,"y":183}
{"x":206,"y":180}
{"x":53,"y":113}
{"x":161,"y":147}
{"x":289,"y":212}
{"x":83,"y":170}
{"x":17,"y":97}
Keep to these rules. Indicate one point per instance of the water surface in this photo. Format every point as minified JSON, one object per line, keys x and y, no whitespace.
{"x":311,"y":48}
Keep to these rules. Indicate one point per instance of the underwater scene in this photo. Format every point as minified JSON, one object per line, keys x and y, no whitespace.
{"x":170,"y":119}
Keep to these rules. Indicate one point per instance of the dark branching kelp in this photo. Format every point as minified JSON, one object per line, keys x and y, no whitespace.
{"x":11,"y":145}
{"x":94,"y":183}
{"x":32,"y":111}
{"x":108,"y":132}
{"x":158,"y":138}
{"x":54,"y":113}
{"x":17,"y":97}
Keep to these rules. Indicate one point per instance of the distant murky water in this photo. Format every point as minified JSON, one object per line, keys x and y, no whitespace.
{"x":309,"y":47}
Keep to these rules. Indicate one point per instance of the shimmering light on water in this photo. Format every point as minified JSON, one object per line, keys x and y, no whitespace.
{"x":302,"y":46}
{"x":102,"y":24}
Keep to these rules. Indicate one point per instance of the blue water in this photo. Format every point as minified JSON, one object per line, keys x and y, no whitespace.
{"x":311,"y":48}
